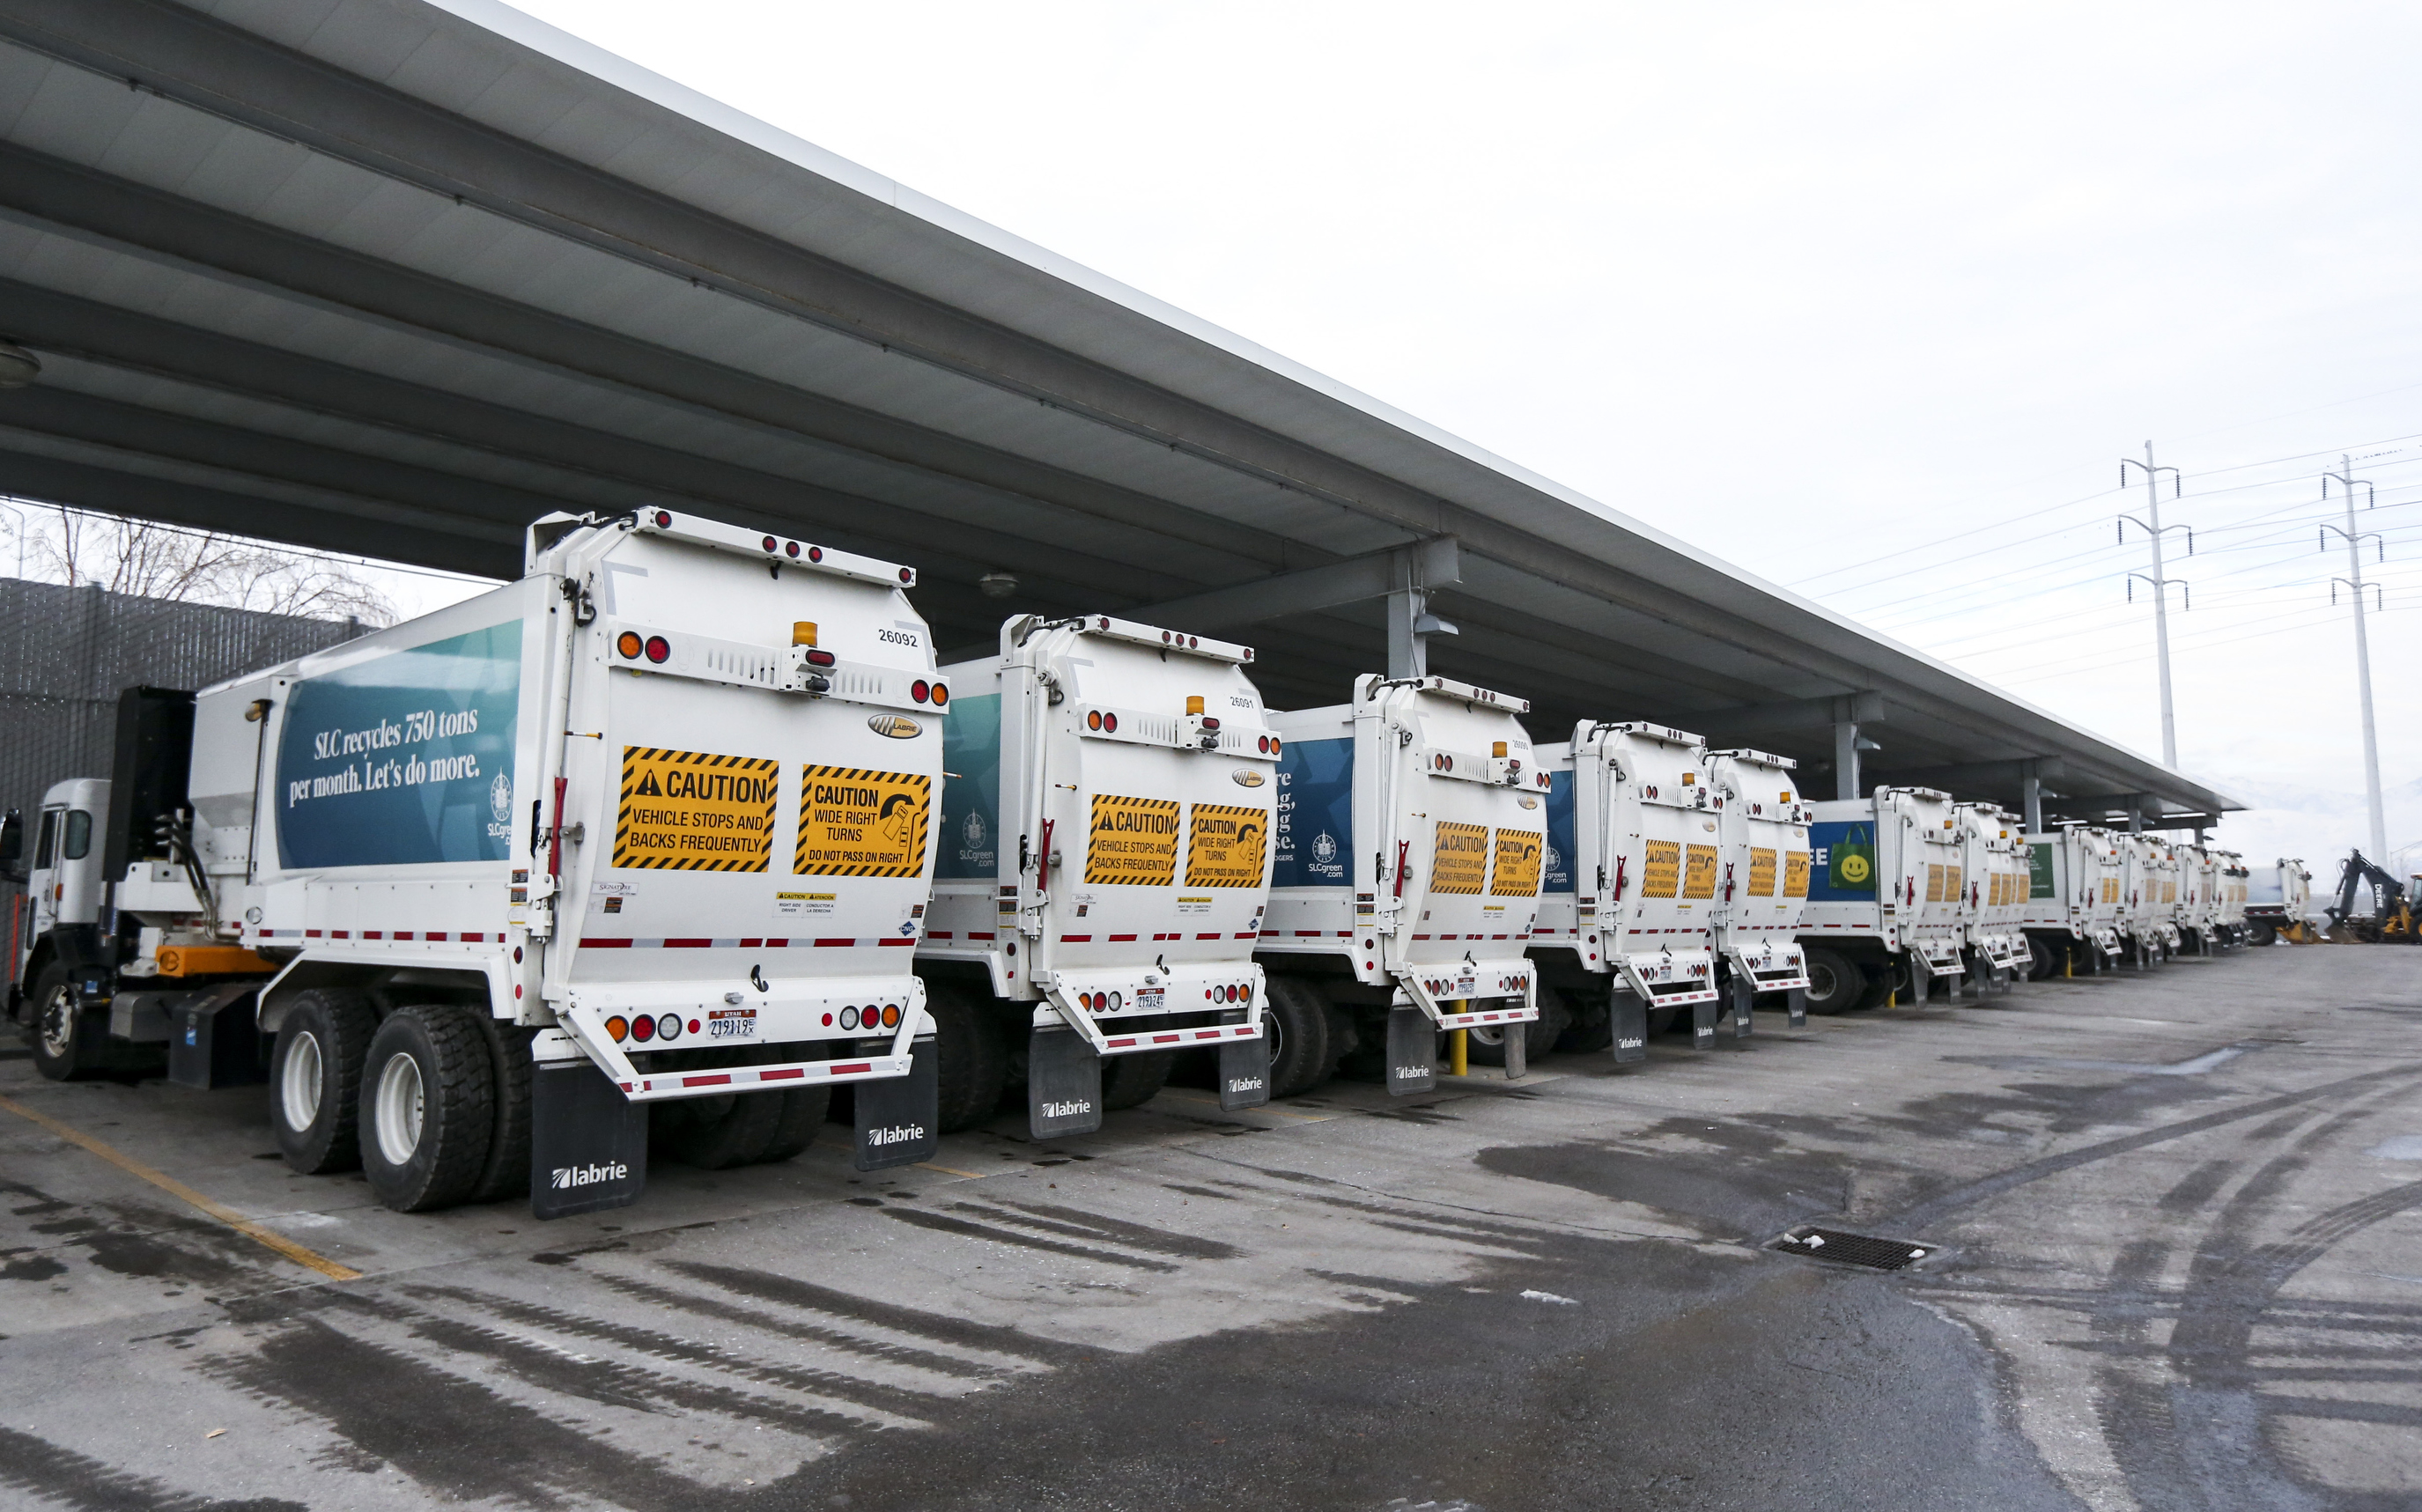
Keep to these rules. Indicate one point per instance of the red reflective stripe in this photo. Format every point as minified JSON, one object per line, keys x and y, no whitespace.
{"x":607,"y":944}
{"x":1118,"y":1044}
{"x":1167,"y":1039}
{"x":1208,"y":1034}
{"x":688,"y":944}
{"x":718,"y":1079}
{"x":777,"y":944}
{"x":1116,"y":938}
{"x":475,"y":937}
{"x":1248,"y":934}
{"x":338,"y":934}
{"x":909,"y":939}
{"x":1212,"y":936}
{"x":788,"y":1073}
{"x":311,"y":933}
{"x":826,"y":944}
{"x":750,"y":944}
{"x":852,"y":1067}
{"x":437,"y":934}
{"x":1075,"y":939}
{"x":937,"y":934}
{"x":404,"y":934}
{"x":373,"y":934}
{"x":979,"y":934}
{"x":1302,"y":932}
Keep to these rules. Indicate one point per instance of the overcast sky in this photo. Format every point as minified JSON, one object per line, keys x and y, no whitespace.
{"x":1867,"y":298}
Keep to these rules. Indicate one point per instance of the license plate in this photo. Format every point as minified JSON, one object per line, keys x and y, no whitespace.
{"x":731,"y":1023}
{"x":1150,"y":1000}
{"x":1467,"y":987}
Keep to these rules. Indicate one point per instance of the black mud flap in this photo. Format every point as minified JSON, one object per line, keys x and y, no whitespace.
{"x":1244,"y":1074}
{"x":1796,"y":1007}
{"x":588,"y":1144}
{"x":1703,"y":1023}
{"x":899,"y":1118}
{"x":1744,"y":1007}
{"x":1064,"y":1084}
{"x":1629,"y":1015}
{"x":1412,"y":1053}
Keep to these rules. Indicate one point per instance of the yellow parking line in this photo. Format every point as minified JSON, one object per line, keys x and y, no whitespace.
{"x":174,"y":1187}
{"x":950,"y":1171}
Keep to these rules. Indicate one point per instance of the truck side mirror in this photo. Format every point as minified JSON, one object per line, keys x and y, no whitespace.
{"x":12,"y":846}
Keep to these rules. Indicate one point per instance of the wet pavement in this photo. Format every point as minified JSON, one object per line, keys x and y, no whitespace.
{"x":2175,"y":1228}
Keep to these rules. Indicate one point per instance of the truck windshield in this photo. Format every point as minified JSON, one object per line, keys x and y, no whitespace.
{"x":79,"y":840}
{"x":46,"y":847}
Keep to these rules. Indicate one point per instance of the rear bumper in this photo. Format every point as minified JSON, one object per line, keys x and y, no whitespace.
{"x":1769,"y":964}
{"x":798,"y":1023}
{"x":1073,"y":997}
{"x":1491,"y":993}
{"x":1670,"y":978}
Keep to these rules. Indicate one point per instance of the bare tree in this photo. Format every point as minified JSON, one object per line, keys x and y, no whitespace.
{"x":151,"y":560}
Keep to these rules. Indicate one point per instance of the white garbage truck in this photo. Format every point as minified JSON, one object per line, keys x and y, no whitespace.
{"x":2278,"y":902}
{"x":1762,"y":820}
{"x":1104,"y":855}
{"x":2070,"y":919}
{"x":2229,"y":907}
{"x":1626,"y":933}
{"x":1887,"y":899}
{"x":1409,"y":838}
{"x":1989,"y":848}
{"x":2150,"y":886}
{"x":636,"y":844}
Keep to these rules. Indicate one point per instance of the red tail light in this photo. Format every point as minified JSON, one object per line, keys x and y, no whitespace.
{"x":1111,"y":723}
{"x":644,"y":1029}
{"x":920,"y":690}
{"x":820,"y":658}
{"x":659,"y":648}
{"x":790,"y":548}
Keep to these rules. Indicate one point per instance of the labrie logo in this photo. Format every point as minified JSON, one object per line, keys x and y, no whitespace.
{"x":566,"y":1177}
{"x":897,"y":1134}
{"x":1066,"y":1109}
{"x":1411,"y":1073}
{"x":1630,"y":1043}
{"x":1244,"y":1083}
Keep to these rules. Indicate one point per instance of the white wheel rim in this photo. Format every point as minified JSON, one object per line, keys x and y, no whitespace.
{"x":59,"y":1023}
{"x":397,"y":1109}
{"x":298,"y":1085}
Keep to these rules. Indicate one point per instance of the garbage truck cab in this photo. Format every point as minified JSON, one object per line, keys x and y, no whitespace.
{"x":1411,"y":832}
{"x":646,"y":829}
{"x":1628,"y":938}
{"x":1105,"y":862}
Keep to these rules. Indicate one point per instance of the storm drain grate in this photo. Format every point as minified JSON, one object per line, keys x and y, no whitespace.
{"x":1853,"y":1249}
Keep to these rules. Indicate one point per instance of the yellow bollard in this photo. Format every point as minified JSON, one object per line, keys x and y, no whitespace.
{"x":1456,"y":1047}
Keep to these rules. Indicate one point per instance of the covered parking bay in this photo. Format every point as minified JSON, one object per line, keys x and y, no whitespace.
{"x":395,"y":279}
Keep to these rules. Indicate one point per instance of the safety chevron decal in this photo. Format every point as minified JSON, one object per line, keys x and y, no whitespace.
{"x":854,"y":821}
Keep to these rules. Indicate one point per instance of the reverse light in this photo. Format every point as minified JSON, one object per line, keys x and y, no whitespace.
{"x":849,"y":1018}
{"x":668,"y":1027}
{"x":659,"y":648}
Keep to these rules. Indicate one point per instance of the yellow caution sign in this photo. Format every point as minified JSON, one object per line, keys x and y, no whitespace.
{"x":688,"y":811}
{"x":1226,"y":845}
{"x":1699,"y":872}
{"x":1955,"y":884}
{"x":857,"y":822}
{"x":1132,"y":843}
{"x":1459,"y":858}
{"x":1761,"y":872}
{"x":1516,"y":874}
{"x":1663,"y":873}
{"x":1794,"y":873}
{"x":1934,"y":881}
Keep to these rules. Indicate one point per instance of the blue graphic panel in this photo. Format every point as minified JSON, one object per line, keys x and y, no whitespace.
{"x":1843,"y":868}
{"x":404,"y":758}
{"x":1314,"y":836}
{"x":1556,"y":875}
{"x":970,"y":844}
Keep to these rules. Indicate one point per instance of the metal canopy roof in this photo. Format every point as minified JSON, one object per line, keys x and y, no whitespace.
{"x":392,"y":277}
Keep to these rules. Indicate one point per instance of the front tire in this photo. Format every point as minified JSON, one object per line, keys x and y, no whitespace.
{"x":428,"y":1109}
{"x":71,"y":1041}
{"x":315,"y":1077}
{"x":1835,"y":984}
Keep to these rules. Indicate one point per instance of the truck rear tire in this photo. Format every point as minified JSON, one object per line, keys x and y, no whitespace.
{"x":2043,"y":961}
{"x":717,"y":1133}
{"x":1128,"y":1080}
{"x":70,"y":1040}
{"x":1882,"y":983}
{"x":1297,"y":1022}
{"x":973,"y":1065}
{"x":506,"y":1172}
{"x":1835,"y":984}
{"x":315,"y":1078}
{"x":1540,"y":1035}
{"x":795,"y":1129}
{"x":429,"y":1108}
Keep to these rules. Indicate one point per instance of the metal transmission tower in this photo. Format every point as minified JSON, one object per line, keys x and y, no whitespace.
{"x":2348,"y":483}
{"x":2151,"y":524}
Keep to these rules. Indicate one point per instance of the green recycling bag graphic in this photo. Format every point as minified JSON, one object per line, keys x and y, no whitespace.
{"x":1850,"y":860}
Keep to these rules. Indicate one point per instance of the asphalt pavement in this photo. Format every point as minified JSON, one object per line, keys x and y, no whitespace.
{"x":2173,"y":1259}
